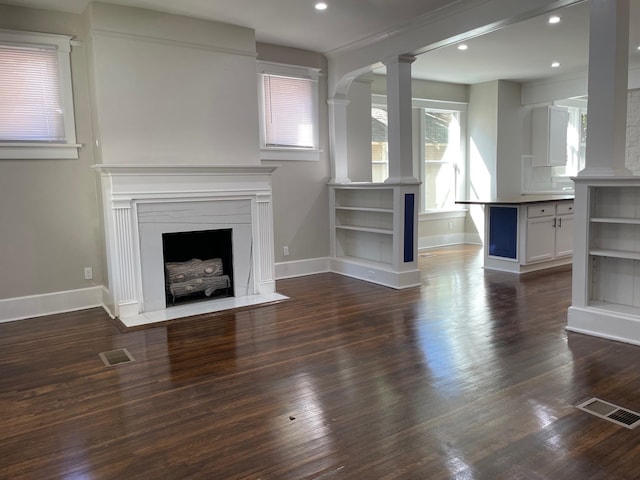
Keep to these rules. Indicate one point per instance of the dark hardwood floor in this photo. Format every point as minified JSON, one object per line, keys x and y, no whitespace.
{"x":471,"y":376}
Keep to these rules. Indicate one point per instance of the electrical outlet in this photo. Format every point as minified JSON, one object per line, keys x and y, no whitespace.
{"x":88,"y":273}
{"x":285,"y":250}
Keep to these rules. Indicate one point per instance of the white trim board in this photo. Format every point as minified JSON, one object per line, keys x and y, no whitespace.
{"x":300,"y":268}
{"x":445,"y":240}
{"x":19,"y":308}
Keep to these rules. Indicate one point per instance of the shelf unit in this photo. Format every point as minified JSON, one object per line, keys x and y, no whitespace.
{"x":606,"y":280}
{"x":374,"y":232}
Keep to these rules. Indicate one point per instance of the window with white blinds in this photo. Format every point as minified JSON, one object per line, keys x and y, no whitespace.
{"x":36,"y":102}
{"x":30,"y":99}
{"x":288,"y":112}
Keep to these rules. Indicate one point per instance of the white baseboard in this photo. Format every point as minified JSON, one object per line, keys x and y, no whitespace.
{"x":370,"y":272}
{"x":449,"y":239}
{"x":19,"y":308}
{"x":611,"y":325}
{"x":301,"y":268}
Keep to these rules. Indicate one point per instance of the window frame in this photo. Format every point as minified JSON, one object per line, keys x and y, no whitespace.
{"x":459,"y":167}
{"x":418,"y":105}
{"x":293,"y":71}
{"x":380,"y":101}
{"x":46,"y":150}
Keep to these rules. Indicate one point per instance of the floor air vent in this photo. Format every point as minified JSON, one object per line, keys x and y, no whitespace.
{"x":609,"y":411}
{"x":116,"y":357}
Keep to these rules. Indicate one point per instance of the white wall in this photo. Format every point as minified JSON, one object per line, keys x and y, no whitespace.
{"x":48,"y":208}
{"x":509,"y":139}
{"x":482,"y":128}
{"x":359,"y":131}
{"x":633,"y":131}
{"x":172,"y":89}
{"x":300,"y":191}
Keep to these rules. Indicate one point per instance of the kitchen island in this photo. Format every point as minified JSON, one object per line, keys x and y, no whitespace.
{"x":525,"y":233}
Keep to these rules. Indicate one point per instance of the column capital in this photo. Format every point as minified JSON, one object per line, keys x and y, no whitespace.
{"x":404,"y":58}
{"x":338,"y":101}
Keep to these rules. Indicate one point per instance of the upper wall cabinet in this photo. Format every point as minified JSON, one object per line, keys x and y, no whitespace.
{"x":549,"y":136}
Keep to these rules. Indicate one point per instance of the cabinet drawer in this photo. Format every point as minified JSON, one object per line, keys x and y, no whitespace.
{"x":564,"y":208}
{"x":543,"y":210}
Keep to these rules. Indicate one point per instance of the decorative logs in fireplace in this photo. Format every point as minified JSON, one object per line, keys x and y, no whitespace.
{"x":196,"y":276}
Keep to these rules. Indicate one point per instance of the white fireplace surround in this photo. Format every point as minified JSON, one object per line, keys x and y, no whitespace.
{"x":141,"y":202}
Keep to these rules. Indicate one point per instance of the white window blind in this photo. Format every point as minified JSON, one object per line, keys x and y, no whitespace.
{"x":30,"y":95}
{"x":288,"y":111}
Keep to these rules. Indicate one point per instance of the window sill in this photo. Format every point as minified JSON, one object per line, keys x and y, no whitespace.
{"x":443,"y":214}
{"x":294,"y":154}
{"x":37,"y":151}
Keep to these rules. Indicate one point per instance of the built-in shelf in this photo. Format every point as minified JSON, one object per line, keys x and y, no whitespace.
{"x":606,"y":275}
{"x":626,"y":221}
{"x":374,"y":232}
{"x":614,"y":308}
{"x":601,"y":252}
{"x":366,"y":209}
{"x":365,"y":229}
{"x":367,"y":263}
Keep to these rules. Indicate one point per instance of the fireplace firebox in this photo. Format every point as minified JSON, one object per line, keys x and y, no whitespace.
{"x":198,"y":265}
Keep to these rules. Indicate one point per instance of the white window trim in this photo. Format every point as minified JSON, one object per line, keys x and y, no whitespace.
{"x":289,"y":153}
{"x":442,"y":106}
{"x":35,"y":150}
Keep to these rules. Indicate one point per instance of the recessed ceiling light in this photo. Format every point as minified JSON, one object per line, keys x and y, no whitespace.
{"x":321,"y":6}
{"x":555,"y":64}
{"x":463,"y":46}
{"x":554,"y":19}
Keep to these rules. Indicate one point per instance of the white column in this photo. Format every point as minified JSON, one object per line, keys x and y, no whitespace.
{"x":338,"y":140}
{"x":400,"y":120}
{"x":608,"y":77}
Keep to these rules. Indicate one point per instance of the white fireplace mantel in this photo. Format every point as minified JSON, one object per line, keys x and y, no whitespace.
{"x":126,"y":187}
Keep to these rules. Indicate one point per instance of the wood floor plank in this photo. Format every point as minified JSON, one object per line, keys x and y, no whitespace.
{"x":470,"y":376}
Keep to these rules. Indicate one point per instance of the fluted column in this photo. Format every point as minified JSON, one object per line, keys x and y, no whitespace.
{"x":124,"y":283}
{"x":264,"y":248}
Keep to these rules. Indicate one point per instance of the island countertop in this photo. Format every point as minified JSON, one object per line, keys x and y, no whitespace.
{"x":517,"y":199}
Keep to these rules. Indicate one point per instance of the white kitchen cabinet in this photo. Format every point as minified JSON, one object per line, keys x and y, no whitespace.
{"x":527,"y":232}
{"x":549,"y":136}
{"x":549,"y":232}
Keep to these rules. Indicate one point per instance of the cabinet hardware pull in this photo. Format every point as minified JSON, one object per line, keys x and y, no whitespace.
{"x":560,"y":223}
{"x":554,"y":222}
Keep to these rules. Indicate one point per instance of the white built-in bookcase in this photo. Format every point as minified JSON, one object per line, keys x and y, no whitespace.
{"x":606,"y":277}
{"x":374,"y":232}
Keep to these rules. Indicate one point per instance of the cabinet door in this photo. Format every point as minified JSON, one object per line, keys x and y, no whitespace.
{"x":540,"y":239}
{"x":549,"y":136}
{"x":564,"y":235}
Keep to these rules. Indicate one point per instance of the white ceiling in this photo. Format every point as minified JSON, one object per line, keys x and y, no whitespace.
{"x":520,"y":52}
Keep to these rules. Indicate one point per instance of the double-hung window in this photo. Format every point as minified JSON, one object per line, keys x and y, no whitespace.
{"x":36,"y":104}
{"x":441,"y":151}
{"x":288,"y":112}
{"x":438,"y":143}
